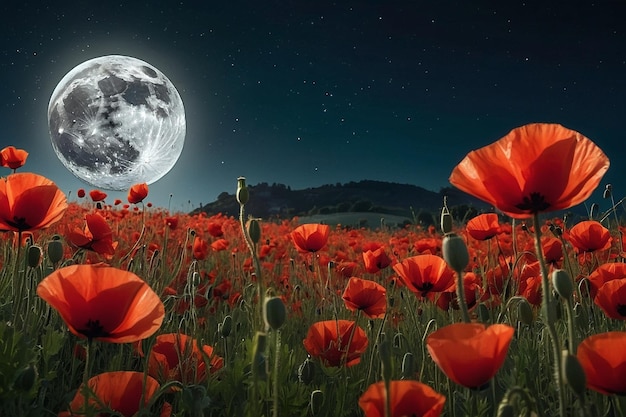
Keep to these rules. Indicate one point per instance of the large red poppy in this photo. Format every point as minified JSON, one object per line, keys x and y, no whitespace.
{"x":424,"y":274}
{"x":336,"y":342}
{"x":611,"y":298}
{"x":483,"y":227}
{"x":375,"y":260}
{"x":367,"y":296}
{"x":103,"y":303}
{"x":535,"y":168}
{"x":177,"y":357}
{"x":605,"y":273}
{"x":137,"y":193}
{"x":120,"y":391}
{"x":408,"y":398}
{"x":29,"y":202}
{"x":13,"y":158}
{"x":603,"y":358}
{"x":470,"y":354}
{"x":96,"y":236}
{"x":589,"y":236}
{"x":310,"y":237}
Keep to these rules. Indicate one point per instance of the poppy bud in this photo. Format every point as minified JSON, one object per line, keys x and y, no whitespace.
{"x":455,"y":252}
{"x":525,"y":312}
{"x":242,"y":191}
{"x":505,"y":410}
{"x":408,"y":365}
{"x":254,"y":230}
{"x":562,"y":283}
{"x":316,"y":402}
{"x":25,"y":378}
{"x":34,"y":256}
{"x":306,"y":371}
{"x":446,"y":219}
{"x":274,"y":312}
{"x":573,"y":373}
{"x":607,"y":191}
{"x":55,"y":250}
{"x":227,"y":326}
{"x":593,"y":210}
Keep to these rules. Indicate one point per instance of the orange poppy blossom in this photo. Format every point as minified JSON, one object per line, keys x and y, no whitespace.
{"x":84,"y":294}
{"x":137,"y":193}
{"x":29,"y":202}
{"x":177,"y":357}
{"x":96,"y":236}
{"x":367,"y":296}
{"x":119,"y":391}
{"x":13,"y":158}
{"x":97,"y":195}
{"x":310,"y":237}
{"x":200,"y":248}
{"x":603,"y":358}
{"x":424,"y":274}
{"x":483,"y":227}
{"x":375,"y":260}
{"x":589,"y":236}
{"x":336,"y":342}
{"x":408,"y":398}
{"x":538,"y":167}
{"x":611,"y":298}
{"x":470,"y":354}
{"x":603,"y":274}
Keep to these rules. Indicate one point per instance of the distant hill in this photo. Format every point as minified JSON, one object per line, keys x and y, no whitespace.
{"x":404,"y":200}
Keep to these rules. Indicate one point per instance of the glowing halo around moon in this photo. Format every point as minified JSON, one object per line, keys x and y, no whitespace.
{"x":115,"y":121}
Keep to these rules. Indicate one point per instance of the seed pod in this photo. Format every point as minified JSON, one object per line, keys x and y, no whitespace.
{"x":525,"y":312}
{"x":455,"y":252}
{"x":242,"y":191}
{"x":274,"y":312}
{"x":34,"y":256}
{"x":227,"y":326}
{"x":55,"y":250}
{"x":573,"y":373}
{"x":562,"y":283}
{"x":254,"y":230}
{"x":446,"y":219}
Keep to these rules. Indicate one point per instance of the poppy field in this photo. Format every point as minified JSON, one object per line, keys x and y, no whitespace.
{"x":118,"y":308}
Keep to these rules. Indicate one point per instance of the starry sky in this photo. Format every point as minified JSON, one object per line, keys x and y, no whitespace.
{"x":307,"y":93}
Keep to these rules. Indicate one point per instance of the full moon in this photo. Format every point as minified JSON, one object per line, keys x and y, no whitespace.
{"x":116,"y":121}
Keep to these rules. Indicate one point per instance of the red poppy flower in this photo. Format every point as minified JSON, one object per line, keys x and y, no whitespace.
{"x":367,"y":296}
{"x":177,"y":357}
{"x":424,"y":274}
{"x":84,"y":295}
{"x":328,"y":341}
{"x":96,"y":236}
{"x":80,"y":193}
{"x":611,"y":298}
{"x":470,"y":354}
{"x":408,"y":398}
{"x":375,"y":260}
{"x":137,"y":193}
{"x":29,"y":202}
{"x":97,"y":195}
{"x":215,"y":229}
{"x":13,"y":158}
{"x":310,"y":237}
{"x":589,"y":236}
{"x":200,"y":248}
{"x":172,"y":222}
{"x":605,"y":273}
{"x":219,"y":245}
{"x":603,"y":358}
{"x":120,"y":391}
{"x":535,"y":168}
{"x":484,"y":226}
{"x":552,"y":249}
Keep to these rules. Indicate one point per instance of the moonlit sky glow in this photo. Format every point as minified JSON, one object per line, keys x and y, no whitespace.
{"x":312,"y":93}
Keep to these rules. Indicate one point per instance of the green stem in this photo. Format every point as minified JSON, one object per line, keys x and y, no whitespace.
{"x":460,"y":296}
{"x":549,"y":315}
{"x":275,"y":373}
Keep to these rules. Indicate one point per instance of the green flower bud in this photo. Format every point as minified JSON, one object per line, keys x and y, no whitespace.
{"x":316,"y":402}
{"x":25,"y":378}
{"x":446,"y":219}
{"x":34,"y":256}
{"x":274,"y":312}
{"x":55,"y":250}
{"x":408,"y":365}
{"x":525,"y":312}
{"x":227,"y":326}
{"x":455,"y":252}
{"x":562,"y":283}
{"x":242,"y":191}
{"x":573,"y":373}
{"x":607,"y":191}
{"x":306,"y":371}
{"x":505,"y":410}
{"x":254,"y":230}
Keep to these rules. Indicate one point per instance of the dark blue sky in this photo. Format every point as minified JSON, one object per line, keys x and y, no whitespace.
{"x":310,"y":93}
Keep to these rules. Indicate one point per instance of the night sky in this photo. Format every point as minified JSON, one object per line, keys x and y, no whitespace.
{"x":307,"y":93}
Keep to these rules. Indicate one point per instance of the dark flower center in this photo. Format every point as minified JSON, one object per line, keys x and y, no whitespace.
{"x":19,"y":223}
{"x":621,"y":309}
{"x":93,"y":329}
{"x":425,"y":287}
{"x":534,"y":203}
